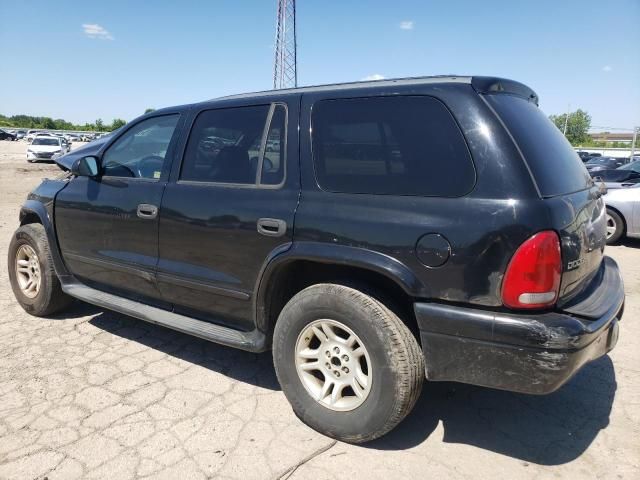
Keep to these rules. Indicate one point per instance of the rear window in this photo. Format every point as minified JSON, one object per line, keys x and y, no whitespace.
{"x":390,"y":145}
{"x":556,"y":167}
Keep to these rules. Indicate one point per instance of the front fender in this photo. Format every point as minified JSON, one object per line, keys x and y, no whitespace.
{"x":34,"y":209}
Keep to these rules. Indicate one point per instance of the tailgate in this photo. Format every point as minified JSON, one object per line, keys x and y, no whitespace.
{"x":576,"y":211}
{"x":580,"y":220}
{"x":603,"y":292}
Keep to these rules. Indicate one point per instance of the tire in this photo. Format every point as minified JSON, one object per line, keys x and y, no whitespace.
{"x":615,"y":226}
{"x":49,"y":297}
{"x":393,"y":359}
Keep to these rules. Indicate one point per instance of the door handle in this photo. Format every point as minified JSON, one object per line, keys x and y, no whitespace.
{"x":272,"y":227}
{"x":147,"y":211}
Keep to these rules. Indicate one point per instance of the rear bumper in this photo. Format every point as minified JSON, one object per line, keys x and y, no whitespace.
{"x":529,"y":353}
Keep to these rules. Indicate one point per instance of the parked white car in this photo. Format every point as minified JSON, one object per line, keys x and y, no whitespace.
{"x":45,"y":148}
{"x":66,"y":143}
{"x":623,"y":213}
{"x":31,"y":134}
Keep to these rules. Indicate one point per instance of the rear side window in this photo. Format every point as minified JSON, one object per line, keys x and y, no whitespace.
{"x":224,"y":145}
{"x":230,"y":145}
{"x":404,"y":145}
{"x":556,"y":167}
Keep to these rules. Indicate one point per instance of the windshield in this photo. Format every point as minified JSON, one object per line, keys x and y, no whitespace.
{"x":46,"y":141}
{"x":597,"y":160}
{"x":635,"y":166}
{"x":618,"y":175}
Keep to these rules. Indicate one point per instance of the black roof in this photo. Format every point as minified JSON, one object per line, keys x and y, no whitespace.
{"x":354,"y":85}
{"x":480,"y":84}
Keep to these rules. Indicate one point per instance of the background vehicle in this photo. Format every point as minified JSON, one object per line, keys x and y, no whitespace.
{"x":617,"y":178}
{"x":584,"y":156}
{"x":20,"y":134}
{"x":623,"y":213}
{"x":604,"y":163}
{"x":45,"y":148}
{"x":31,"y":134}
{"x":66,"y":144}
{"x":393,"y":241}
{"x":87,"y":137}
{"x":5,"y":135}
{"x":633,"y":165}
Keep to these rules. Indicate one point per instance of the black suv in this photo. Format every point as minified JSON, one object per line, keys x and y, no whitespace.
{"x":371,"y":234}
{"x":4,"y":135}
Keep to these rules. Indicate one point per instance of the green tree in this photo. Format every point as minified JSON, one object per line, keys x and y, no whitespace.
{"x":27,"y":121}
{"x":149,"y":110}
{"x":117,"y":123}
{"x":578,"y":125}
{"x":48,"y":123}
{"x":61,"y":124}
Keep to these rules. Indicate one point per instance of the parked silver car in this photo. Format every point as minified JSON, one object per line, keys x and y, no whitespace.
{"x":623,"y":213}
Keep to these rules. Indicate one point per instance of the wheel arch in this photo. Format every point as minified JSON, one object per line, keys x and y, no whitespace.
{"x":307,"y":263}
{"x":36,"y":212}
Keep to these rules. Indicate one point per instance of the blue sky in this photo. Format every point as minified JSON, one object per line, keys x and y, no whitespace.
{"x":82,"y":60}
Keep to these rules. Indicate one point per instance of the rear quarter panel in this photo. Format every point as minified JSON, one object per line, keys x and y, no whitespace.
{"x":483,"y":228}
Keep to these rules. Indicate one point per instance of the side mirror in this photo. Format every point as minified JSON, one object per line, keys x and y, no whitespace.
{"x":86,"y":167}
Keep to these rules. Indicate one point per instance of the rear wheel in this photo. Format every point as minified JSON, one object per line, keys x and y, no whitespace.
{"x":350,"y":368}
{"x":615,"y":226}
{"x":33,"y":279}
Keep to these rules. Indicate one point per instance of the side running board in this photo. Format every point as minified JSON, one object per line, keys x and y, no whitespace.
{"x":254,"y":341}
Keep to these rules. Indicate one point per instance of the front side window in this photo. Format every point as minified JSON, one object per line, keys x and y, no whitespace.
{"x":141,"y":152}
{"x":405,"y":145}
{"x":225,"y":146}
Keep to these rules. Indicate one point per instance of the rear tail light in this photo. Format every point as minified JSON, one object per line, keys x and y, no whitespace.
{"x":533,"y":275}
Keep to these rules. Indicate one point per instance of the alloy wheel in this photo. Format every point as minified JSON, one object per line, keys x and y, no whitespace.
{"x":333,"y":364}
{"x":28,"y":271}
{"x":611,"y":226}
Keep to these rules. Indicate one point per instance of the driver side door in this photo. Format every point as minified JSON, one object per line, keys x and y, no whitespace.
{"x":107,"y":226}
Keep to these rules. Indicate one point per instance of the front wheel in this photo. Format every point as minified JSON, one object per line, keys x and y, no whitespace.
{"x":33,"y":279}
{"x":350,"y":368}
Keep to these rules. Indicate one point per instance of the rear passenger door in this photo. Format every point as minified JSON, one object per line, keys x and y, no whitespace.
{"x":228,"y":206}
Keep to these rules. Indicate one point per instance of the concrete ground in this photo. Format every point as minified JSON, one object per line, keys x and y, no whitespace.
{"x":95,"y":394}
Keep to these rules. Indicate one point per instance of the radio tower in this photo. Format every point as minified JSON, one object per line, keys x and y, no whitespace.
{"x":284,"y":68}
